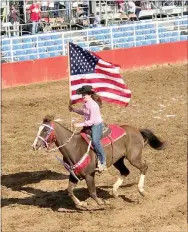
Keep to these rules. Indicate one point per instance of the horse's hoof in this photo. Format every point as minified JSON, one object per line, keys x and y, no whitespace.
{"x":115,"y":194}
{"x":106,"y":202}
{"x":83,"y":204}
{"x":142,"y":193}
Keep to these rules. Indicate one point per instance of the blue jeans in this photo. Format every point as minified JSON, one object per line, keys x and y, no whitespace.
{"x":96,"y":131}
{"x":34,"y":27}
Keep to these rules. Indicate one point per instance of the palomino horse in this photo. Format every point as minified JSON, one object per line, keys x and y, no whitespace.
{"x":82,"y":164}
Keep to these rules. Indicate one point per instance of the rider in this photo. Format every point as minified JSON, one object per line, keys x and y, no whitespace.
{"x":93,"y":119}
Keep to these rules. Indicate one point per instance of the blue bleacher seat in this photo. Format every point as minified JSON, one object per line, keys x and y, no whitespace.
{"x":82,"y":44}
{"x":94,"y":49}
{"x":22,"y":58}
{"x":17,"y":46}
{"x":146,"y":42}
{"x":6,"y":48}
{"x":59,"y":41}
{"x":60,"y":47}
{"x":48,"y":43}
{"x":175,"y":33}
{"x":164,"y":40}
{"x":27,"y":45}
{"x":16,"y":41}
{"x":162,"y":29}
{"x":31,"y":51}
{"x":53,"y":48}
{"x":41,"y":44}
{"x":52,"y":54}
{"x":34,"y":38}
{"x":162,"y":35}
{"x":151,"y":26}
{"x":153,"y":41}
{"x":19,"y":52}
{"x":138,"y":43}
{"x":141,"y":37}
{"x":151,"y":36}
{"x":33,"y":57}
{"x":128,"y":45}
{"x":6,"y":54}
{"x":183,"y":37}
{"x":44,"y":55}
{"x":45,"y":37}
{"x":5,"y":42}
{"x":56,"y":37}
{"x":130,"y":38}
{"x":174,"y":39}
{"x":27,"y":40}
{"x":138,"y":32}
{"x":42,"y":49}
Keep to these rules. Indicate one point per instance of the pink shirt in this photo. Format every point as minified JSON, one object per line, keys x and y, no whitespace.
{"x":91,"y":112}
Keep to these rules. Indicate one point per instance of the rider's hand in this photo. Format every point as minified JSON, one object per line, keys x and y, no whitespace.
{"x":77,"y":125}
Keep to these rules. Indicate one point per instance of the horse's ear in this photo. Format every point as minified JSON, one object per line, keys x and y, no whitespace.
{"x":48,"y":118}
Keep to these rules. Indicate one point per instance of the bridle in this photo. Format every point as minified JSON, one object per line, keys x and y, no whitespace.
{"x":50,"y":137}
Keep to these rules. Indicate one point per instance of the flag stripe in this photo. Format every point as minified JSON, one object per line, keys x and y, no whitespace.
{"x":94,"y":76}
{"x":105,"y":99}
{"x":107,"y":73}
{"x":97,"y":80}
{"x":106,"y":94}
{"x":109,"y":90}
{"x":101,"y":85}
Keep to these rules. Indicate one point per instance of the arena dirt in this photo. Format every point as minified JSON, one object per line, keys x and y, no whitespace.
{"x":34,"y":183}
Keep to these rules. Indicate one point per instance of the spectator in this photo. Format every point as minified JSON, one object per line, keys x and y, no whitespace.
{"x":56,"y":8}
{"x":35,"y":15}
{"x":138,"y":8}
{"x":44,"y":5}
{"x":121,"y":5}
{"x":86,"y":6}
{"x":14,"y":19}
{"x":131,"y":7}
{"x":51,"y":8}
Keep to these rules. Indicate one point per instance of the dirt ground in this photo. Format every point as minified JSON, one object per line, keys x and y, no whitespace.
{"x":34,"y":183}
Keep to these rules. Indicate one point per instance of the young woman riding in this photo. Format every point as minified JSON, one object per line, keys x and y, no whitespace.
{"x":93,"y":120}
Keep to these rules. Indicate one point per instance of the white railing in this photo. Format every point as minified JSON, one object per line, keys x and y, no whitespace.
{"x":133,"y":34}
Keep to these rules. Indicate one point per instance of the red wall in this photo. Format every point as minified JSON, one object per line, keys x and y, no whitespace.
{"x":28,"y":72}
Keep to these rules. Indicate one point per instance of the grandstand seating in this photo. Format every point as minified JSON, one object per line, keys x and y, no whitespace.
{"x":132,"y":34}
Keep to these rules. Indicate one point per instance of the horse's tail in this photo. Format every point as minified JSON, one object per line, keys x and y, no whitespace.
{"x":152,"y":139}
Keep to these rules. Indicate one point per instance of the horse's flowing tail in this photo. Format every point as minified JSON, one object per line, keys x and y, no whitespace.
{"x":152,"y":139}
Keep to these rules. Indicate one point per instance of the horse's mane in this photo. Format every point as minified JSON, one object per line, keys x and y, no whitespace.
{"x":48,"y":118}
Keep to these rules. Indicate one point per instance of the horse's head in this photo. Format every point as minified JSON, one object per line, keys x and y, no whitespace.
{"x":45,"y":135}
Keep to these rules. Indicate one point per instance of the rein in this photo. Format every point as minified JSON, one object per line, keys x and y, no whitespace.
{"x":56,"y":148}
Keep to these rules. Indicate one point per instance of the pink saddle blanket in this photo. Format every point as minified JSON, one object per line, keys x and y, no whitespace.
{"x":116,"y":133}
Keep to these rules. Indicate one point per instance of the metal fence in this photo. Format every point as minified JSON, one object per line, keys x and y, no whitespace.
{"x":132,"y":34}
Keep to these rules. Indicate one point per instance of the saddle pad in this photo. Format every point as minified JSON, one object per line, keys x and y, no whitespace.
{"x":116,"y":133}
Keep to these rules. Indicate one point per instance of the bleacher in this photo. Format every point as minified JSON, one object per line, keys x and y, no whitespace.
{"x":132,"y":34}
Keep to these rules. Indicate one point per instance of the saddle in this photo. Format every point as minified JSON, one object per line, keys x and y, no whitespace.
{"x":87,"y":130}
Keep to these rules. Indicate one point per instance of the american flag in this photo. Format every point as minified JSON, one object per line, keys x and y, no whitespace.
{"x":87,"y":68}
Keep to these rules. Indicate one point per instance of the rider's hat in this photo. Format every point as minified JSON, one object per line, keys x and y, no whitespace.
{"x":86,"y":89}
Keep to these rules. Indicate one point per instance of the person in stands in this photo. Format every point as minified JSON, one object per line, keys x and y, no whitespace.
{"x":14,"y":19}
{"x":93,"y":121}
{"x":35,"y":15}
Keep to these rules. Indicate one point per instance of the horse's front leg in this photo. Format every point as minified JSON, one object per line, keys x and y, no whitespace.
{"x":90,"y":181}
{"x":72,"y":185}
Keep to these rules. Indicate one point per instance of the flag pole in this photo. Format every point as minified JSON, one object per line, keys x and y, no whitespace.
{"x":69,"y":83}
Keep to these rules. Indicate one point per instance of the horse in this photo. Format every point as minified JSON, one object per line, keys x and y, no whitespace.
{"x":82,"y":164}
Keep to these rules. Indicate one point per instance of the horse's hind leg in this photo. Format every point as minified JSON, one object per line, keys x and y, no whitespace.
{"x":90,"y":181}
{"x":123,"y":171}
{"x":72,"y":185}
{"x":135,"y":158}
